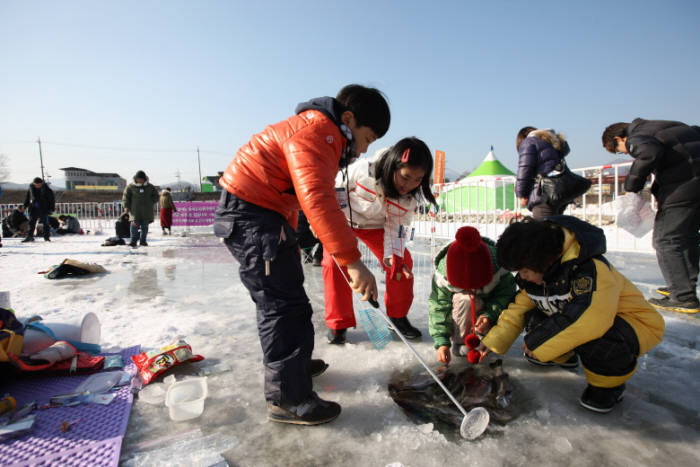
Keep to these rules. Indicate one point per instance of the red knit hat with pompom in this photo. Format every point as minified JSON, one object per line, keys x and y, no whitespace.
{"x":469,"y":264}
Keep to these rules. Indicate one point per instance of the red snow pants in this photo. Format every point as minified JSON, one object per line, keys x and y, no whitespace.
{"x":338,"y":294}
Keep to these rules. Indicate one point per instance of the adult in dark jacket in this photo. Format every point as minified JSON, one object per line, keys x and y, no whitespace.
{"x":41,"y":202}
{"x":69,"y":225}
{"x":16,"y":223}
{"x":671,"y":151}
{"x":138,"y":200}
{"x":539,"y":152}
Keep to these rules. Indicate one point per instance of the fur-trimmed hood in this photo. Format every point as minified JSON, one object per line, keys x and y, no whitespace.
{"x":557,"y":140}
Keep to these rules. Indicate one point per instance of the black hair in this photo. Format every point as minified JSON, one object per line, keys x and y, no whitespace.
{"x":368,"y":105}
{"x":530,"y":244}
{"x":522,"y":134}
{"x":62,"y":216}
{"x":38,"y":180}
{"x":616,"y":129}
{"x":392,"y":160}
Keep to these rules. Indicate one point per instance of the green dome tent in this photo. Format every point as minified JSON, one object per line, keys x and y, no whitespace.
{"x":489,"y":187}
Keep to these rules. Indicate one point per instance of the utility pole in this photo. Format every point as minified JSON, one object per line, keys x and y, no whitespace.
{"x":41,"y":158}
{"x":199,"y":163}
{"x":179,"y":183}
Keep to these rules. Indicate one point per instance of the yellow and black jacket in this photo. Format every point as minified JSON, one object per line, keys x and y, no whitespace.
{"x":580,"y":299}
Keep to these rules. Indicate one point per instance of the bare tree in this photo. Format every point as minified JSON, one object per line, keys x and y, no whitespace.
{"x":4,"y":169}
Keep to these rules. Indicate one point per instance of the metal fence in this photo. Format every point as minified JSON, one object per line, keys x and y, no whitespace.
{"x":487,"y":204}
{"x":95,"y":217}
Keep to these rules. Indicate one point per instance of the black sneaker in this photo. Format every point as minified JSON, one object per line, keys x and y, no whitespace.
{"x":312,"y":412}
{"x":143,"y":243}
{"x":132,"y":244}
{"x":601,"y":400}
{"x":318,"y":366}
{"x":336,"y":336}
{"x":46,"y":239}
{"x":669,"y":304}
{"x":28,"y":239}
{"x":570,"y":363}
{"x":405,"y":327}
{"x":665,"y":291}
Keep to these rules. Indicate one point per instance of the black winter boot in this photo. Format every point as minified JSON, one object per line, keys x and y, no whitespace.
{"x":406,"y":328}
{"x":601,"y":400}
{"x":318,"y":366}
{"x":336,"y":336}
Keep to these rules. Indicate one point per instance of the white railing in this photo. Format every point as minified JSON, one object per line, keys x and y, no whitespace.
{"x":488,"y":204}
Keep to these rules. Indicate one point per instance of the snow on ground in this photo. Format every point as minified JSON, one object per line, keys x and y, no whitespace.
{"x":189,"y":286}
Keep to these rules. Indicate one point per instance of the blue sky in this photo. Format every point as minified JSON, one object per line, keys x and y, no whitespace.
{"x":127,"y":85}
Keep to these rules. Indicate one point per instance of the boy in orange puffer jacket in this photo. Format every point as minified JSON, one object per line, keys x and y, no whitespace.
{"x":290,"y":165}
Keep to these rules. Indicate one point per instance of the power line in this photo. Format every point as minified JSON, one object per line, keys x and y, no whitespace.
{"x":118,"y":148}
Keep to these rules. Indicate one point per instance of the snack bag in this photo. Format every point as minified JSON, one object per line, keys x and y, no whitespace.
{"x":153,"y":363}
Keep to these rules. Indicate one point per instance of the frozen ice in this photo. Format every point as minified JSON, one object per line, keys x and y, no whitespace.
{"x":562,"y":445}
{"x":154,"y":393}
{"x":189,"y":286}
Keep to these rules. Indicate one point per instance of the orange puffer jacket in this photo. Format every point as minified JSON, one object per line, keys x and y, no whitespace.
{"x":293,"y":163}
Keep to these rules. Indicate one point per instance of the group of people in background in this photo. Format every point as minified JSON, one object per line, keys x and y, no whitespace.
{"x":138,"y":200}
{"x":573,"y":304}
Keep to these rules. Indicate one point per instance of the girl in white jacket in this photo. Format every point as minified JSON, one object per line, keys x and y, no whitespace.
{"x":379,"y":197}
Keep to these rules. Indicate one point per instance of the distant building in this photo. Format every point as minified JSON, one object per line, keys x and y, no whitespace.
{"x":210,"y":183}
{"x":83,"y":179}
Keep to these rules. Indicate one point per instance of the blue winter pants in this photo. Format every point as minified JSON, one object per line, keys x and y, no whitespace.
{"x":265,"y":246}
{"x":135,"y":227}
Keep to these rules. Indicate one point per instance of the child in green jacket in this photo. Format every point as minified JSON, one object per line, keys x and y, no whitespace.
{"x":467,"y":280}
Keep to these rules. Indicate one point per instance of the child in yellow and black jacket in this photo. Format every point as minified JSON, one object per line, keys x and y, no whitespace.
{"x":572,"y":300}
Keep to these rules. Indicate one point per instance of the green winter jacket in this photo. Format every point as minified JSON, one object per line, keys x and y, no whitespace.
{"x":496,"y":296}
{"x":140,"y":200}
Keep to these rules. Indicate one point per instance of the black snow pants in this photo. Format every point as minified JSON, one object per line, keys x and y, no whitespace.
{"x":607,"y":361}
{"x":611,"y":359}
{"x":676,"y":241}
{"x":265,"y":246}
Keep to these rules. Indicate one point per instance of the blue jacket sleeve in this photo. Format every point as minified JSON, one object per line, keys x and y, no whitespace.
{"x":527,"y":168}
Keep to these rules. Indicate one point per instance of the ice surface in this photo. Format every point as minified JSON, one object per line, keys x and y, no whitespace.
{"x":189,"y":286}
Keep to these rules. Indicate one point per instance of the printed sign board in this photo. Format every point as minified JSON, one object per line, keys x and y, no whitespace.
{"x":190,"y":213}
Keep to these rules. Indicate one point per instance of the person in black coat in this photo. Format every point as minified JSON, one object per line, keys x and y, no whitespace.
{"x":539,"y":153}
{"x":16,"y":223}
{"x":41,"y":202}
{"x":671,"y":151}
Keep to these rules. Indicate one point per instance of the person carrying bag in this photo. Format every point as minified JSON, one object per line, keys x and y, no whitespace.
{"x":561,"y":186}
{"x":544,"y":184}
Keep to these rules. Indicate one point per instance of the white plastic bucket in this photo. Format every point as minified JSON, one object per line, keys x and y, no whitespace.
{"x":87,"y":330}
{"x":185,"y":399}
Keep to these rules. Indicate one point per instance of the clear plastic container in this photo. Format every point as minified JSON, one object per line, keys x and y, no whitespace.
{"x":185,"y":399}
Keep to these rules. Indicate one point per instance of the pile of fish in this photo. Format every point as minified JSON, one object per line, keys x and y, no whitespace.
{"x":485,"y":385}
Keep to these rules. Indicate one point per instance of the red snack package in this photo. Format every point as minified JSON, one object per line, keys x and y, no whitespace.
{"x":153,"y":363}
